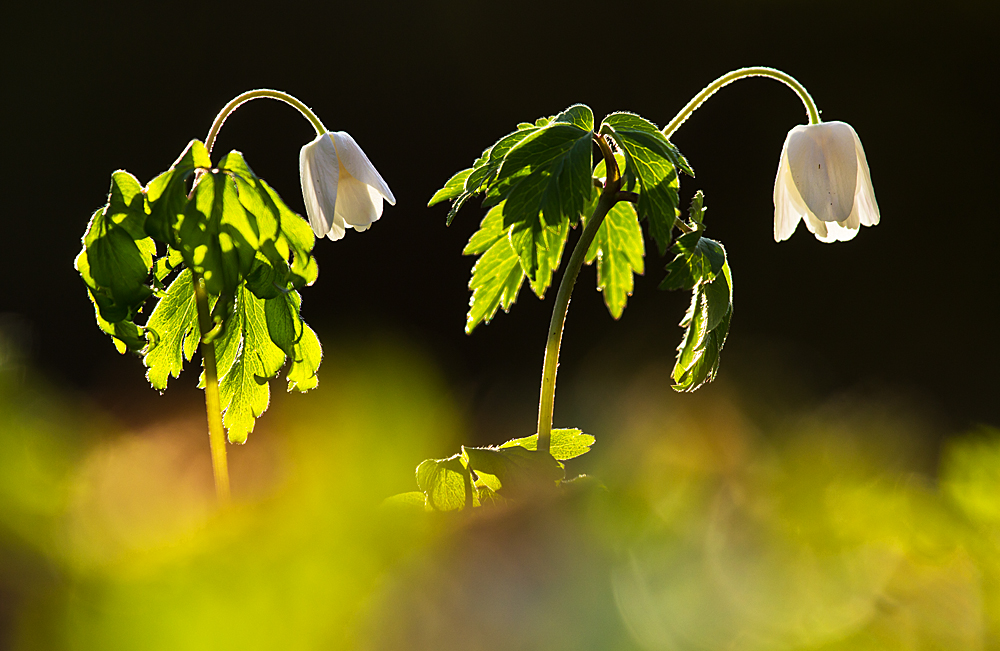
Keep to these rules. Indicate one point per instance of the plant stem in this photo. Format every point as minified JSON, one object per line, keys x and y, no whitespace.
{"x":609,"y":197}
{"x":216,"y":433}
{"x":255,"y":94}
{"x":728,"y":78}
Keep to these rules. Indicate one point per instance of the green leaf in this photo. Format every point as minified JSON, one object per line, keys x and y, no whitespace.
{"x":284,"y":326}
{"x":639,"y":129}
{"x":696,"y":213}
{"x":549,"y":171}
{"x":297,"y":238}
{"x":244,"y":391}
{"x":125,"y":208}
{"x":700,"y":266}
{"x":653,"y":161}
{"x":698,"y":258}
{"x":497,"y":275}
{"x":564,"y":444}
{"x":166,"y":264}
{"x":252,"y":348}
{"x":706,"y":326}
{"x":117,"y":255}
{"x":118,"y":264}
{"x":125,"y":335}
{"x":445,"y":483}
{"x":454,"y":187}
{"x":488,"y":496}
{"x":541,"y":175}
{"x":484,"y":170}
{"x":306,"y":357}
{"x":477,"y":178}
{"x":227,"y":345}
{"x":539,"y":248}
{"x":618,"y":248}
{"x":173,"y":332}
{"x":218,"y":237}
{"x":579,"y":115}
{"x":166,"y":195}
{"x":517,"y":468}
{"x":296,"y":340}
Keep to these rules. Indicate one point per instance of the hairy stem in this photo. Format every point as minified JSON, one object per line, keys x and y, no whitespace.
{"x":216,"y":433}
{"x":609,"y":197}
{"x":730,"y":77}
{"x":255,"y":94}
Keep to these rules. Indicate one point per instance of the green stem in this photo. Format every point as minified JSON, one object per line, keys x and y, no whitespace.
{"x":216,"y":433}
{"x":255,"y":94}
{"x":729,"y":78}
{"x":609,"y":197}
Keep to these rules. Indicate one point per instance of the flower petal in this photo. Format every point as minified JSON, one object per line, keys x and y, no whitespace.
{"x":864,"y":198}
{"x":841,"y":231}
{"x":356,"y":205}
{"x":357,"y":163}
{"x":824,"y":165}
{"x":788,"y":205}
{"x":817,"y":228}
{"x":828,"y":232}
{"x":319,"y":175}
{"x":337,"y":229}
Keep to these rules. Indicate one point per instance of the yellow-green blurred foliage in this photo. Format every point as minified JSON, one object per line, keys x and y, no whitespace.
{"x":705,"y":529}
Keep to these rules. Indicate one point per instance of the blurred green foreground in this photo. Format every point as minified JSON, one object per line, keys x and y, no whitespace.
{"x":707,"y":529}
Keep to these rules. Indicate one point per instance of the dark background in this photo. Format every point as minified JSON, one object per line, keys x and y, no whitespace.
{"x":907,"y":307}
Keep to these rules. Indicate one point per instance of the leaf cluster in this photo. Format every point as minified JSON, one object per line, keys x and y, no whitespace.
{"x":700,"y":266}
{"x":539,"y":181}
{"x":493,"y":475}
{"x":221,"y":228}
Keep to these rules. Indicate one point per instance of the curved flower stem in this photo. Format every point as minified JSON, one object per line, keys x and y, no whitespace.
{"x":216,"y":433}
{"x":729,"y":78}
{"x":609,"y":197}
{"x":255,"y":94}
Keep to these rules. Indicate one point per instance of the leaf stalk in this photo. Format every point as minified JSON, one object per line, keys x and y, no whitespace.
{"x":216,"y":432}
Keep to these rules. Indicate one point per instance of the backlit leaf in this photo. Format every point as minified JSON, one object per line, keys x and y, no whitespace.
{"x":167,"y":193}
{"x":244,"y":391}
{"x":517,"y":468}
{"x":497,"y":275}
{"x":706,"y":325}
{"x":445,"y":483}
{"x":653,"y":161}
{"x":564,"y":444}
{"x":173,"y":332}
{"x":618,"y":249}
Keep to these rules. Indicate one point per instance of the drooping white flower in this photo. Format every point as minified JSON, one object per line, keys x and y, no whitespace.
{"x":823,"y":178}
{"x":340,"y":185}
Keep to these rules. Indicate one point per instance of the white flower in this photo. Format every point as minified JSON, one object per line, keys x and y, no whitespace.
{"x":823,"y":177}
{"x":340,"y":185}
